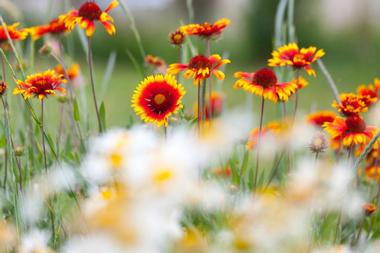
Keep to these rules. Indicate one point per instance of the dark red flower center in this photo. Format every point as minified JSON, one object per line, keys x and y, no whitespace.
{"x":199,"y":62}
{"x":90,"y":10}
{"x":265,"y":77}
{"x":355,"y":124}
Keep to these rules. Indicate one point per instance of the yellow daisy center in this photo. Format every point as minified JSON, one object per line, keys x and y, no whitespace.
{"x":162,"y":175}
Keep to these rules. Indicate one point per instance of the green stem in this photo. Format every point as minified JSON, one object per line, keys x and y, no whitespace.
{"x":330,"y":80}
{"x":259,"y":141}
{"x":91,"y":69}
{"x":43,"y":136}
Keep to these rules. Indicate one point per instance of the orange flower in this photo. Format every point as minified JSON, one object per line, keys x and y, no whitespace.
{"x":157,"y":98}
{"x":370,"y":93}
{"x":298,"y":58}
{"x":264,"y":83}
{"x":3,"y":87}
{"x":349,"y":132}
{"x":72,"y":71}
{"x":351,"y":104}
{"x":200,"y":68}
{"x":215,"y":106}
{"x":177,"y":38}
{"x":55,"y":27}
{"x":40,"y":85}
{"x":206,"y":30}
{"x":300,"y":82}
{"x":369,"y":208}
{"x":272,"y":128}
{"x":372,"y":172}
{"x":156,"y":63}
{"x":222,"y":171}
{"x":86,"y":16}
{"x":13,"y":31}
{"x":320,"y":118}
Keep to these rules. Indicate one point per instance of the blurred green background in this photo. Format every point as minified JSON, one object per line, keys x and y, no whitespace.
{"x":347,"y":30}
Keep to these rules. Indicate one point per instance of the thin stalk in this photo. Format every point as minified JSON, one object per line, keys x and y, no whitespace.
{"x":291,"y":27}
{"x":203,"y":108}
{"x":61,"y":126}
{"x":199,"y":107}
{"x":135,"y":31}
{"x":259,"y":140}
{"x":365,"y":152}
{"x":296,"y":76}
{"x":91,"y":69}
{"x":43,"y":136}
{"x":280,"y":14}
{"x":71,"y":99}
{"x":330,"y":80}
{"x":10,"y":144}
{"x":190,"y":10}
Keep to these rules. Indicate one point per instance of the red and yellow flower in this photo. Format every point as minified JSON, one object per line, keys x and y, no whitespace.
{"x":206,"y":30}
{"x":351,"y":104}
{"x":40,"y":85}
{"x":177,"y":38}
{"x":13,"y":31}
{"x":298,"y":58}
{"x":320,"y":118}
{"x":72,"y":71}
{"x":156,"y":98}
{"x":274,"y":128}
{"x":369,"y":208}
{"x":156,"y":63}
{"x":264,"y":83}
{"x":349,"y":132}
{"x":370,"y":93}
{"x":372,"y":172}
{"x":55,"y":27}
{"x":86,"y":16}
{"x":200,"y":68}
{"x":300,"y":82}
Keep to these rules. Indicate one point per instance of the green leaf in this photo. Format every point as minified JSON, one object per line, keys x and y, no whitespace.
{"x":102,"y":111}
{"x":76,"y":111}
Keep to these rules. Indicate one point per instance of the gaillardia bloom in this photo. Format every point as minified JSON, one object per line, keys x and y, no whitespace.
{"x":372,"y":172}
{"x":55,"y":27}
{"x":157,"y":64}
{"x":156,"y":98}
{"x":351,"y":104}
{"x":349,"y":132}
{"x":320,"y":118}
{"x":72,"y":71}
{"x":177,"y":38}
{"x":86,"y":16}
{"x":298,"y":58}
{"x":200,"y":68}
{"x":13,"y":31}
{"x":264,"y":83}
{"x":40,"y":85}
{"x":206,"y":30}
{"x":370,"y":93}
